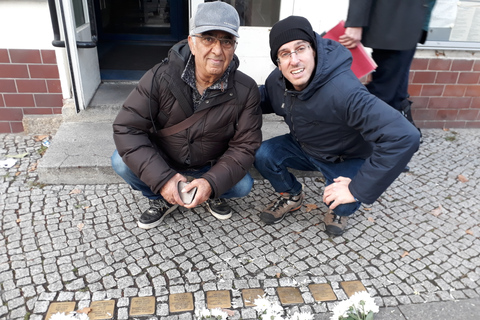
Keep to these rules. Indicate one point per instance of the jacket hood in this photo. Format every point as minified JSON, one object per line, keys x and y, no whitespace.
{"x":181,"y":50}
{"x":332,"y":60}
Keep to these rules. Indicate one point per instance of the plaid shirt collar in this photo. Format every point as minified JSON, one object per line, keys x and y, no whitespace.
{"x":188,"y":76}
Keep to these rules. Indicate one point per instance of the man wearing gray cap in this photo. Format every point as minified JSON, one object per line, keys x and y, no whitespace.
{"x":193,"y":117}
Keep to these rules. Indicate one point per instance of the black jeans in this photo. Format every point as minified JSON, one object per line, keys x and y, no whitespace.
{"x":390,"y":79}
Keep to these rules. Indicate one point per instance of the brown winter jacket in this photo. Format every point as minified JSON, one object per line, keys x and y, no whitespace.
{"x":226,"y":137}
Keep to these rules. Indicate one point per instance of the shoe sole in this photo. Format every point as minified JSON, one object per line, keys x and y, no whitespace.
{"x":156,"y":223}
{"x":283,"y":217}
{"x":337,"y":230}
{"x":334,"y":234}
{"x":219,"y":216}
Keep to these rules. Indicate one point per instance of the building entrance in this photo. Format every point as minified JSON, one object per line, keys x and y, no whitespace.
{"x":134,"y":35}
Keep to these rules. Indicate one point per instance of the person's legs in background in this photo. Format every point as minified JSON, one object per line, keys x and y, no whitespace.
{"x":390,"y":80}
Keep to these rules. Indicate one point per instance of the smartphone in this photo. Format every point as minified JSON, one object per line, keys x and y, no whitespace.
{"x":187,"y":197}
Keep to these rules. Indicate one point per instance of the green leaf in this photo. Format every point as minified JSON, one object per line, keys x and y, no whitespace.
{"x":369,"y":316}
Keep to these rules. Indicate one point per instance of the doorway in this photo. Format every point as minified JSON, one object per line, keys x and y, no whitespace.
{"x":134,"y":35}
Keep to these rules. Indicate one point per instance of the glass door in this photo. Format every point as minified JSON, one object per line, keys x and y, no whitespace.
{"x":134,"y":35}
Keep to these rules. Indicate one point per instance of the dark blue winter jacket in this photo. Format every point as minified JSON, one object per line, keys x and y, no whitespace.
{"x":336,"y":118}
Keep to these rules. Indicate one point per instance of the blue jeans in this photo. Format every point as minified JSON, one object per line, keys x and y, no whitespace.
{"x":282,"y":152}
{"x":241,"y":189}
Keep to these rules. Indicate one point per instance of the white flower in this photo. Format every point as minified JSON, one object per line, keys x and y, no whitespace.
{"x":301,"y":316}
{"x":360,"y":302}
{"x":71,"y":316}
{"x":271,"y":315}
{"x":268,"y":310}
{"x":340,"y":310}
{"x":368,"y":302}
{"x":217,"y":312}
{"x":202,"y":313}
{"x":60,"y":316}
{"x":276,"y":308}
{"x":82,"y":316}
{"x":261,"y":304}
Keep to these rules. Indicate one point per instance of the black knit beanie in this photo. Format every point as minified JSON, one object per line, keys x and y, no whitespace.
{"x":290,"y":29}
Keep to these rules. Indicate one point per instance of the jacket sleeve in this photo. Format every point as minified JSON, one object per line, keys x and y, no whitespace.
{"x":358,"y":13}
{"x":234,"y":164}
{"x":265,"y":100}
{"x":131,"y":130}
{"x":393,"y":138}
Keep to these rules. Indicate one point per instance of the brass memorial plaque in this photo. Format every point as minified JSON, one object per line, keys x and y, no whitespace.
{"x":322,"y":292}
{"x":102,"y":309}
{"x":351,"y":287}
{"x":218,"y":299}
{"x":181,"y":302}
{"x":289,"y":295}
{"x":55,"y":307}
{"x":142,"y":306}
{"x":249,"y":296}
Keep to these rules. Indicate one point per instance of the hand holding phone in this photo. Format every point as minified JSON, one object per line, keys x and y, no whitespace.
{"x":187,"y":197}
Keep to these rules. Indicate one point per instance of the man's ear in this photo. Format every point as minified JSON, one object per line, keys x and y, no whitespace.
{"x":191,"y":44}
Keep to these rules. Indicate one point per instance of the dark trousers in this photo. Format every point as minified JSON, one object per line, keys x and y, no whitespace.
{"x":390,"y":79}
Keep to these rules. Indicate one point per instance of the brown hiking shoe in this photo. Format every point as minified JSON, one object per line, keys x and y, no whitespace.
{"x":277,"y":210}
{"x":334,"y":225}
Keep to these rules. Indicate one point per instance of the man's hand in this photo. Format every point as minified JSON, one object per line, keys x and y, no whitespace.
{"x":169,"y":190}
{"x":204,"y":190}
{"x":170,"y":193}
{"x":338,"y":193}
{"x":351,"y":38}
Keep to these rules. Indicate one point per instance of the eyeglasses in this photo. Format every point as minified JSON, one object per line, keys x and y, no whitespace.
{"x":284,"y":56}
{"x":209,"y":41}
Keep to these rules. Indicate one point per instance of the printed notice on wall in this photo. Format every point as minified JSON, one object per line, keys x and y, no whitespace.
{"x":443,"y":14}
{"x":467,"y":22}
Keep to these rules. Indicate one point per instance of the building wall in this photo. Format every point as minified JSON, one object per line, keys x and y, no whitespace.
{"x":29,"y":85}
{"x":445,"y":92}
{"x":445,"y":87}
{"x":29,"y":74}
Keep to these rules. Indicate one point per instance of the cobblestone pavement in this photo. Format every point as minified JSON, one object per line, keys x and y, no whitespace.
{"x":418,"y":243}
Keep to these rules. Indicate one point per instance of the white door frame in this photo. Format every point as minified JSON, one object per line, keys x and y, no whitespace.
{"x":83,"y":62}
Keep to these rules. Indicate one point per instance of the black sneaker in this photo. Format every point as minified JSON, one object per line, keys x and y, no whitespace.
{"x":334,"y":225}
{"x":219,"y":208}
{"x":152,"y":217}
{"x":278,"y":209}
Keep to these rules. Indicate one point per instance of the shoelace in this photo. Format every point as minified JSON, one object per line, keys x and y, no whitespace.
{"x":159,"y":204}
{"x":280,"y":202}
{"x":339,"y":218}
{"x":217,"y":202}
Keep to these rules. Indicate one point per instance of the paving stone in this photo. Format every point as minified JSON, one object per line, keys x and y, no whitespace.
{"x":50,"y":259}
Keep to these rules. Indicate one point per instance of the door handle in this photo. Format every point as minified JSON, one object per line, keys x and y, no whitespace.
{"x":57,"y":42}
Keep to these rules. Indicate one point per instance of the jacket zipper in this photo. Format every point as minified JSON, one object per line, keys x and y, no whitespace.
{"x":290,"y":109}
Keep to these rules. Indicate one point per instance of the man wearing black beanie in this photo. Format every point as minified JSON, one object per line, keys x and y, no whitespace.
{"x":358,"y":142}
{"x":289,"y":29}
